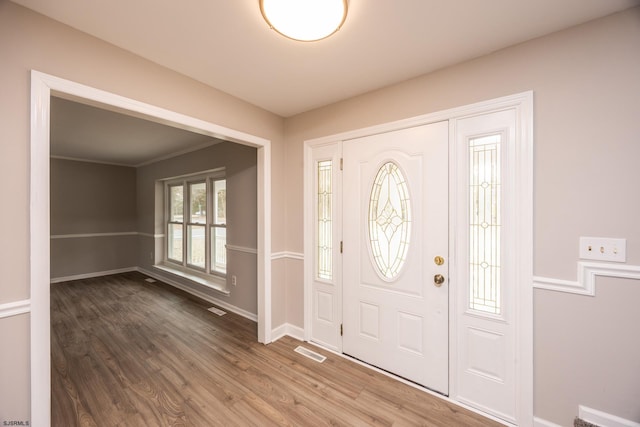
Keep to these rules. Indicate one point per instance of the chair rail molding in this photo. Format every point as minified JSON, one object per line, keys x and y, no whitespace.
{"x":287,"y":254}
{"x":85,"y":235}
{"x":245,"y":249}
{"x":587,"y":273}
{"x":14,"y":308}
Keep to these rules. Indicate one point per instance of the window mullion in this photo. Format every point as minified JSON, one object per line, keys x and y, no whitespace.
{"x":185,"y":212}
{"x":207,"y":227}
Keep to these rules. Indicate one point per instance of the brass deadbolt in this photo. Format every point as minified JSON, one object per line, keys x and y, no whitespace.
{"x":438,"y":260}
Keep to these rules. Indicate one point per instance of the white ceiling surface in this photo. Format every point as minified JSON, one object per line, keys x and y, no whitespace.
{"x":83,"y":132}
{"x":226,"y":43}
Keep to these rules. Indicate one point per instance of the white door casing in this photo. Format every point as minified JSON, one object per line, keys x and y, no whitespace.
{"x":518,"y":224}
{"x":394,"y":316}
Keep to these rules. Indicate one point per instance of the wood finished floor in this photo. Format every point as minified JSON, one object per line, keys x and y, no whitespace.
{"x":128,"y":353}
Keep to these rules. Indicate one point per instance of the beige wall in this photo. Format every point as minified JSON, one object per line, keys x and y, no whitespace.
{"x":240,"y":163}
{"x":30,"y":41}
{"x":89,"y":198}
{"x":586,"y":83}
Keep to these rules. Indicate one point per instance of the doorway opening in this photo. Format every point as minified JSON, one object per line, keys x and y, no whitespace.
{"x":43,"y":86}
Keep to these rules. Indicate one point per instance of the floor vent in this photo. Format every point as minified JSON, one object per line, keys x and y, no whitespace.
{"x":217,"y":311}
{"x":310,"y":354}
{"x":150,"y":280}
{"x":577,"y":422}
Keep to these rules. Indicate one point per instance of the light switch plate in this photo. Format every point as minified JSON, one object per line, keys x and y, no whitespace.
{"x":603,"y":249}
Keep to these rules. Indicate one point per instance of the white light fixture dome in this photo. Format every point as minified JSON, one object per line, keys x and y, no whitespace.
{"x":304,"y":20}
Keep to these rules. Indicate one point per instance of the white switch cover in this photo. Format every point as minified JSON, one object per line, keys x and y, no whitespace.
{"x":603,"y":249}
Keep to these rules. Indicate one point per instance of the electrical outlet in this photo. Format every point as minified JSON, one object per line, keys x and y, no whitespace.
{"x":234,"y":281}
{"x":603,"y":249}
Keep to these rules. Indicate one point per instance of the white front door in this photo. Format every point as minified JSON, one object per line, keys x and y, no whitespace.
{"x":395,"y":259}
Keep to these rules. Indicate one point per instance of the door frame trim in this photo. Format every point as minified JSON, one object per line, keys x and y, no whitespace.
{"x":42,"y":87}
{"x":523,"y":103}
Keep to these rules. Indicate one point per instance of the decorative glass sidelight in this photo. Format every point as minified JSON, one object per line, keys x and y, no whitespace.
{"x":389,"y":220}
{"x":484,"y":223}
{"x":325,"y":224}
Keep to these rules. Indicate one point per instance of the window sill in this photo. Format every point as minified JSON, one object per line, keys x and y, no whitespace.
{"x":218,"y":284}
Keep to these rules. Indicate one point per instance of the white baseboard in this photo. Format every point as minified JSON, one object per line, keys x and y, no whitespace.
{"x":91,"y":275}
{"x":208,"y":298}
{"x":603,"y":419}
{"x":539,"y":422}
{"x":592,"y":416}
{"x":287,"y":329}
{"x":195,"y":292}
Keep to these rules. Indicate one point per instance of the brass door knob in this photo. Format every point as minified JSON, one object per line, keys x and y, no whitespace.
{"x":438,"y":280}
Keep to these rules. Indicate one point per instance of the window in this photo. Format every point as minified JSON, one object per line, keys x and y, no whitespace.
{"x":324,"y":230}
{"x":389,"y":221}
{"x":196,"y":224}
{"x":174,"y":229}
{"x":485,"y":223}
{"x":218,"y":229}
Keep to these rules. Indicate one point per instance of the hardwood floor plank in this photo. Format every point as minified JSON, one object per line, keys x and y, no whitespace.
{"x":250,"y":416}
{"x":64,"y":395}
{"x":160,"y":398}
{"x":130,"y":353}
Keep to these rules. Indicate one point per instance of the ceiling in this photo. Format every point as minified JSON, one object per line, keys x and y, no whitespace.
{"x":84,"y":132}
{"x":226,"y":44}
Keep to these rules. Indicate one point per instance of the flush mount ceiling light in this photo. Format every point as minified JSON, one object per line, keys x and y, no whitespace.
{"x":304,"y":20}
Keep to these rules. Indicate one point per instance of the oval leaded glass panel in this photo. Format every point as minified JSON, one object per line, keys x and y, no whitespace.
{"x":389,"y":221}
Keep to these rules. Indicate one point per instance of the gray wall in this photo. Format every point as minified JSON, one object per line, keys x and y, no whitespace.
{"x":240,"y":163}
{"x":89,"y":198}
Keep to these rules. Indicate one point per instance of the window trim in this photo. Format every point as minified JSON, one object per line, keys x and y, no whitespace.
{"x":204,"y":276}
